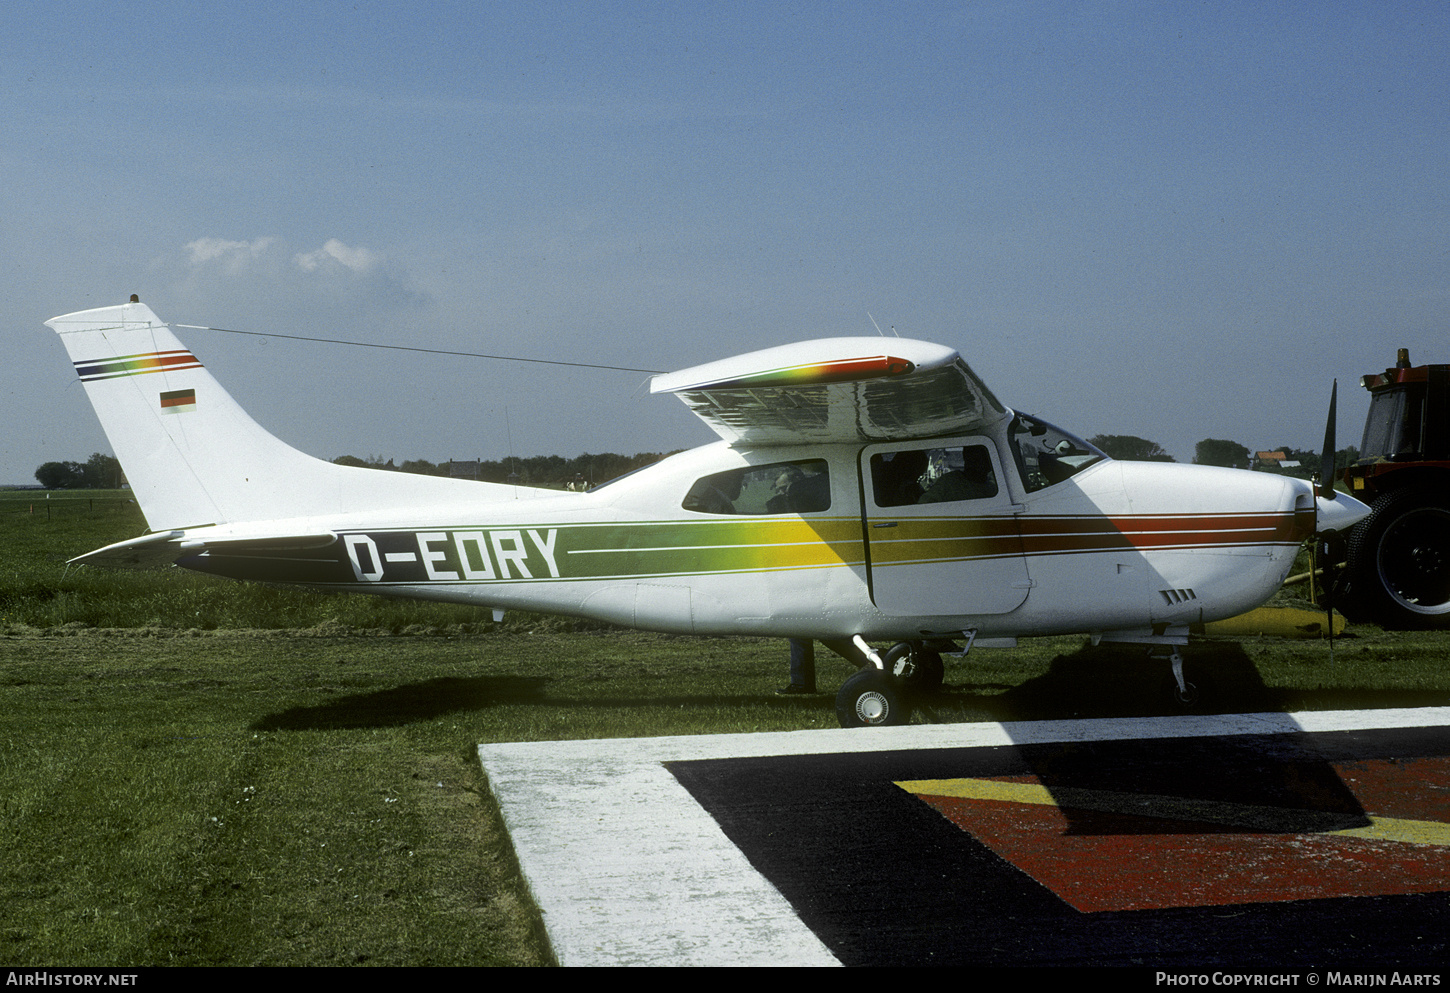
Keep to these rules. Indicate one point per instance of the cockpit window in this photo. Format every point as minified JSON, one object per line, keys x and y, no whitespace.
{"x":800,"y":487}
{"x":1048,"y":455}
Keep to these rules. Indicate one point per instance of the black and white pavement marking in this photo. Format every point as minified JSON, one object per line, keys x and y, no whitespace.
{"x":628,"y":868}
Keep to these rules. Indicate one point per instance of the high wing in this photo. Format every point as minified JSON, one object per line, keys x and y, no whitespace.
{"x":836,"y":390}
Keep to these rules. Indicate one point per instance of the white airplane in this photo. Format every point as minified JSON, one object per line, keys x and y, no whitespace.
{"x":864,"y":489}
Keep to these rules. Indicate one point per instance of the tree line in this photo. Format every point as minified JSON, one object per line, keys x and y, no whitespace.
{"x":1220,"y":451}
{"x":99,"y":472}
{"x":103,"y":472}
{"x":535,"y":470}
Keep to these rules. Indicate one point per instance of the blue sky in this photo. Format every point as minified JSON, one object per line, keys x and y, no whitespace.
{"x":1172,"y":220}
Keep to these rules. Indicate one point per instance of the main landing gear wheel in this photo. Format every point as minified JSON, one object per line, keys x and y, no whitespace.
{"x":1399,"y":560}
{"x":918,"y":669}
{"x":871,"y":698}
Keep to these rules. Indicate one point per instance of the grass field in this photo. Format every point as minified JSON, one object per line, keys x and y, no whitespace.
{"x":195,"y":772}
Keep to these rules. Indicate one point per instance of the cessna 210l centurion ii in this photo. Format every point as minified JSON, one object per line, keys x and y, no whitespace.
{"x":863,"y":489}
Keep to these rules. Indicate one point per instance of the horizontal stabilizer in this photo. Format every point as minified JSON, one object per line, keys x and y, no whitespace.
{"x":154,"y":551}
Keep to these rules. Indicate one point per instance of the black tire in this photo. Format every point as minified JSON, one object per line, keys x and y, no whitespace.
{"x":1186,"y":700}
{"x":920,"y":670}
{"x":871,"y":698}
{"x":1399,"y":560}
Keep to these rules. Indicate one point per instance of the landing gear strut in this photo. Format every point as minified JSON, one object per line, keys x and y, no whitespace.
{"x":880,"y":694}
{"x":1184,"y":692}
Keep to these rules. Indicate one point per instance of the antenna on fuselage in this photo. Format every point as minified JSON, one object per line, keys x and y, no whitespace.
{"x":878,"y":327}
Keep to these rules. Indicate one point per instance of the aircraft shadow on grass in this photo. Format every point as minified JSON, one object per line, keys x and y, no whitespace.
{"x":1114,"y":681}
{"x":1250,"y":784}
{"x":1123,"y":681}
{"x":1272,"y":783}
{"x":1092,"y":682}
{"x":408,"y":704}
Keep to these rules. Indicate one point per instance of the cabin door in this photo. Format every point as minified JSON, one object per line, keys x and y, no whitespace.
{"x":940,"y":529}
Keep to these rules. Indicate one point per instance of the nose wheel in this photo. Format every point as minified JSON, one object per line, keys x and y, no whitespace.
{"x":1185,"y":693}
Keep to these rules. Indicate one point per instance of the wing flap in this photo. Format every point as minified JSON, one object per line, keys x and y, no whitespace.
{"x":836,"y":390}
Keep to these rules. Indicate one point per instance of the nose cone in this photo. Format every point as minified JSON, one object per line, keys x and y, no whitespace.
{"x":1339,"y":514}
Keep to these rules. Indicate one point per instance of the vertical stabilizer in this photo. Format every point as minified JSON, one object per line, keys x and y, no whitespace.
{"x":193,"y":456}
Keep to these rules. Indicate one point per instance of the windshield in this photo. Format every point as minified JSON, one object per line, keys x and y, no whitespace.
{"x":1392,"y":427}
{"x":1047,"y":455}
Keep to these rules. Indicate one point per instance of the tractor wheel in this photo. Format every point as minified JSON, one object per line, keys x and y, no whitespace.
{"x":1399,"y":560}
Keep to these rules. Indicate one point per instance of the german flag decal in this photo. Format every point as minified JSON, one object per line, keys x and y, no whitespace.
{"x":178,"y":401}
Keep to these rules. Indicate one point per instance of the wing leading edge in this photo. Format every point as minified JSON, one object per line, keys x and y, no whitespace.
{"x":836,"y":390}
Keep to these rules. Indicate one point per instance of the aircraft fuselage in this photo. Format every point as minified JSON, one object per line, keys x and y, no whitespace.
{"x":1114,"y":547}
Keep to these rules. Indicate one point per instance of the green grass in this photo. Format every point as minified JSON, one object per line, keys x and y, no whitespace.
{"x":240,"y":799}
{"x":212,"y":793}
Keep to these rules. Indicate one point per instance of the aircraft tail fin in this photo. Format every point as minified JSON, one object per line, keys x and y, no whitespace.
{"x":194,"y":457}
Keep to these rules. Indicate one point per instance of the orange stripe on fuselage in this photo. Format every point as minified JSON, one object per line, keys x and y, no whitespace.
{"x":1058,"y":535}
{"x":935,"y":539}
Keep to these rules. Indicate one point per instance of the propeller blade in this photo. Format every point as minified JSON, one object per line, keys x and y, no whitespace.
{"x":1326,"y":462}
{"x":1333,"y":511}
{"x":1326,"y":492}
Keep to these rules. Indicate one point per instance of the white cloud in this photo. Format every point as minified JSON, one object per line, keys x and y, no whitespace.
{"x":335,"y":252}
{"x":239,"y":255}
{"x":204,"y":250}
{"x":336,"y":282}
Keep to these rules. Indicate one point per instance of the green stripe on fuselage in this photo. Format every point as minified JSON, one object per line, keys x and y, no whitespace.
{"x":483,"y":554}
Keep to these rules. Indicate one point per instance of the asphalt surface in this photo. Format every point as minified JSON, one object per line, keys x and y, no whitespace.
{"x":1258,"y":841}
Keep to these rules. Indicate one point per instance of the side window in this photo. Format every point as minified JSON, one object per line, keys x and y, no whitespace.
{"x":801,"y":487}
{"x":932,"y":475}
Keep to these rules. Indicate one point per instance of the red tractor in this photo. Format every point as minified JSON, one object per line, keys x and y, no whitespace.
{"x":1397,"y":560}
